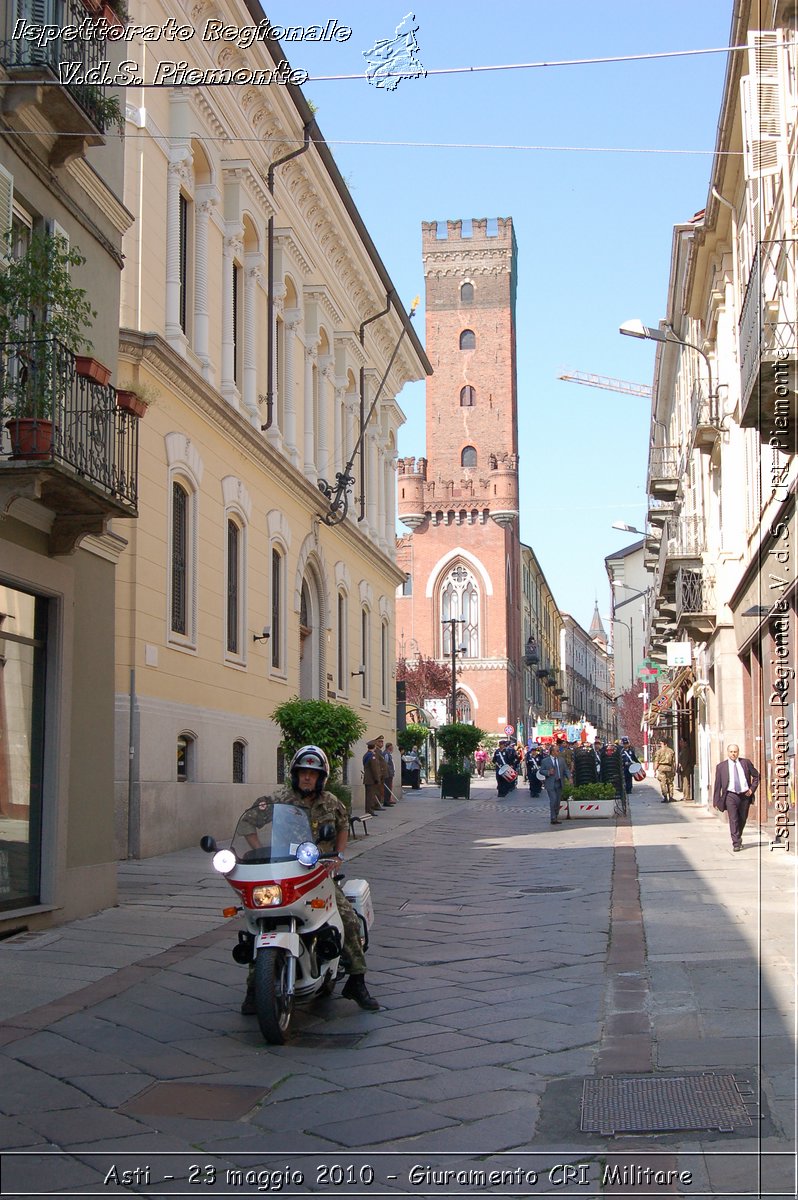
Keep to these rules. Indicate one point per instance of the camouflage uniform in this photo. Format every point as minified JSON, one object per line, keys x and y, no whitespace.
{"x":327,"y":808}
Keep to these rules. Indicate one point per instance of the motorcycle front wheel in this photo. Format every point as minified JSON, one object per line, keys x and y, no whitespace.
{"x":273,"y":1002}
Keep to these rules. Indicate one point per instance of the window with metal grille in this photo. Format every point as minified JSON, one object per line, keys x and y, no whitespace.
{"x":185,"y":758}
{"x":183,"y":262}
{"x":468,"y":396}
{"x":277,"y":632}
{"x":341,"y":642}
{"x":180,"y":501}
{"x":468,"y":340}
{"x":239,"y":762}
{"x":233,"y":614}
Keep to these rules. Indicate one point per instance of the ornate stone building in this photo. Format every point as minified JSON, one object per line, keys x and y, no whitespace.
{"x":462,"y":559}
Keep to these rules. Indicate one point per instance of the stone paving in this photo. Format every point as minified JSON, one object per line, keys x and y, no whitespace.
{"x":512,"y":960}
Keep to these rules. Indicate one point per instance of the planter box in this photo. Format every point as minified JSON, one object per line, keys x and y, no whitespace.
{"x":30,"y":437}
{"x":130,"y":402}
{"x":456,"y":785}
{"x":91,"y":368}
{"x":591,"y":808}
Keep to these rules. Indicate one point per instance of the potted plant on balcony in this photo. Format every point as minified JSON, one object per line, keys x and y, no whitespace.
{"x":458,"y":742}
{"x":136,"y":398}
{"x":43,"y":321}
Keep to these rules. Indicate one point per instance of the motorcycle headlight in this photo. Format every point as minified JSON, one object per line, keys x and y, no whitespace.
{"x":268,"y":895}
{"x":224,"y":861}
{"x":307,"y":853}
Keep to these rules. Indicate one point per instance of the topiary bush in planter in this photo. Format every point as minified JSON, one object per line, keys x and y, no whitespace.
{"x":458,"y":742}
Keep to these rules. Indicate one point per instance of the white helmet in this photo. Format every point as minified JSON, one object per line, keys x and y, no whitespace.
{"x":310,"y":758}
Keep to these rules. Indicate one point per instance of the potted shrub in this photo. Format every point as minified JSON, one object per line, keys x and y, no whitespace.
{"x":135,"y":398}
{"x":334,"y":728}
{"x":458,"y":742}
{"x":43,"y":321}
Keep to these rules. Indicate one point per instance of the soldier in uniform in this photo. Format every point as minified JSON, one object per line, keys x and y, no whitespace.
{"x":665,"y":769}
{"x":309,"y":772}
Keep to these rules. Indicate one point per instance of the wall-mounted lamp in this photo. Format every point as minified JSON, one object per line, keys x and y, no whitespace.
{"x":360,"y":671}
{"x":262,"y":637}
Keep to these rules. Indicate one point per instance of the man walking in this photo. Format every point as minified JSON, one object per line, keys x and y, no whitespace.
{"x":665,"y":769}
{"x":736,"y":781}
{"x":556,"y":771}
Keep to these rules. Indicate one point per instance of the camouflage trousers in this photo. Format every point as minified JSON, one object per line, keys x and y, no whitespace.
{"x":354,"y":958}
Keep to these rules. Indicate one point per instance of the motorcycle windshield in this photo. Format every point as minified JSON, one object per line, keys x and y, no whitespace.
{"x":270,"y":832}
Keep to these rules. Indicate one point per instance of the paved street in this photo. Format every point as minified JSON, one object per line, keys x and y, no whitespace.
{"x":513,"y":960}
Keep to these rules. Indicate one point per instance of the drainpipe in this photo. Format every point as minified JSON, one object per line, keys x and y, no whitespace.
{"x":735,"y":277}
{"x":362,"y":336}
{"x":270,"y":269}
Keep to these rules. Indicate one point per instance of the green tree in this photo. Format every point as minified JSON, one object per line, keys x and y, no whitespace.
{"x":412,"y":735}
{"x":333,"y":727}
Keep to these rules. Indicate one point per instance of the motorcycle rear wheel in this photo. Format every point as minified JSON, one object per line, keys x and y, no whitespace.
{"x":272,"y":1000}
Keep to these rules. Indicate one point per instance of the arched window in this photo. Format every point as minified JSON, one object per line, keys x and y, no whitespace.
{"x":468,"y":396}
{"x":466,"y":292}
{"x":469,"y":457}
{"x":384,"y":657}
{"x":468,"y":340}
{"x":186,"y":745}
{"x":276,"y":640}
{"x":343,"y":655}
{"x":234,"y":589}
{"x":181,"y":572}
{"x":365,"y":658}
{"x":239,"y":761}
{"x":460,"y":600}
{"x":463,"y":709}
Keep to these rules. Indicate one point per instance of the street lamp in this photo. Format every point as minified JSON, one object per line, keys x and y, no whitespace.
{"x":451,"y":622}
{"x":628,"y":528}
{"x":635,"y":328}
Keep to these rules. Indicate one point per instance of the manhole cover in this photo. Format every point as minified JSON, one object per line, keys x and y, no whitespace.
{"x":541,"y":891}
{"x":203,"y":1101}
{"x":645,"y":1105}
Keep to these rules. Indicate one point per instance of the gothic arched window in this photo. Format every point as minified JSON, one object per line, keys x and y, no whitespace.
{"x":460,"y":600}
{"x":469,"y":457}
{"x":466,"y":292}
{"x":468,"y":340}
{"x":463,"y":709}
{"x":468,"y":396}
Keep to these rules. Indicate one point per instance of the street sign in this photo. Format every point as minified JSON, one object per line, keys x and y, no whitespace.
{"x":509,"y":730}
{"x":646,"y":672}
{"x":679,"y":654}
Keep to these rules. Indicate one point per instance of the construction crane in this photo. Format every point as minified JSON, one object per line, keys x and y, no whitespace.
{"x":608,"y":383}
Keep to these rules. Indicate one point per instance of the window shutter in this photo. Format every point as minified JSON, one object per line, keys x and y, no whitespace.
{"x":6,"y":203}
{"x":760,"y":92}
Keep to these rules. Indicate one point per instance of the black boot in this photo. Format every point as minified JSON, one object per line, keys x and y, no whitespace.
{"x":355,"y":989}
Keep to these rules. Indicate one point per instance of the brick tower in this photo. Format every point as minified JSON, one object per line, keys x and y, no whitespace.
{"x":461,"y":501}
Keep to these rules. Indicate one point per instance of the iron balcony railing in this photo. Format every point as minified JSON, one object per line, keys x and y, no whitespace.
{"x":663,"y":462}
{"x":59,"y":56}
{"x":90,"y":435}
{"x":695,"y":593}
{"x":765,"y":321}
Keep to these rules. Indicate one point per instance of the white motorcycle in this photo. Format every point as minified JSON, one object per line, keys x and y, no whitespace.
{"x":294,"y":933}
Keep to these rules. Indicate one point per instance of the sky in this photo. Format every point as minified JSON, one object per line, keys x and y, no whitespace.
{"x":595,"y":163}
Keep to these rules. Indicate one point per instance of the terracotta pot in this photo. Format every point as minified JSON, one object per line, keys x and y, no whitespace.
{"x":93,"y":7}
{"x":90,"y":368}
{"x":132,"y":403}
{"x":110,"y":16}
{"x":31,"y":437}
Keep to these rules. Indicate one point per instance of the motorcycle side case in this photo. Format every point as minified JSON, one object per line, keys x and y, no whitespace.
{"x":358,"y":893}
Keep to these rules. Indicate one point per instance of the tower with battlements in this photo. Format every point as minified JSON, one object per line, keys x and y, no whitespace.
{"x":461,"y":500}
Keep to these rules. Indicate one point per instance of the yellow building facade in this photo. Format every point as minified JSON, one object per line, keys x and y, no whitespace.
{"x":258,"y":321}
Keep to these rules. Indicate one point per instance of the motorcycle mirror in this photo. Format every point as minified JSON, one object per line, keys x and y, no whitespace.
{"x":208,"y":844}
{"x":307,"y":853}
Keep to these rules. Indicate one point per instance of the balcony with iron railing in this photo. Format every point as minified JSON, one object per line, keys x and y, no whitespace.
{"x":64,"y":441}
{"x":663,"y":472}
{"x":695,"y":601}
{"x":704,"y":417}
{"x":768,"y":341}
{"x":50,"y":79}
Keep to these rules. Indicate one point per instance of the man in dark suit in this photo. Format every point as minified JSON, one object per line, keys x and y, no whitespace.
{"x":736,"y":782}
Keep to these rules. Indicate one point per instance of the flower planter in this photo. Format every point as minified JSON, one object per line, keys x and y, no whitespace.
{"x":591,"y":808}
{"x":31,"y":437}
{"x":111,"y":17}
{"x":458,"y":783}
{"x":90,"y":368}
{"x":131,"y":402}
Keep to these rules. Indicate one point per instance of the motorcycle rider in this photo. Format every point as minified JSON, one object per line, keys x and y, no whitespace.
{"x":309,"y":772}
